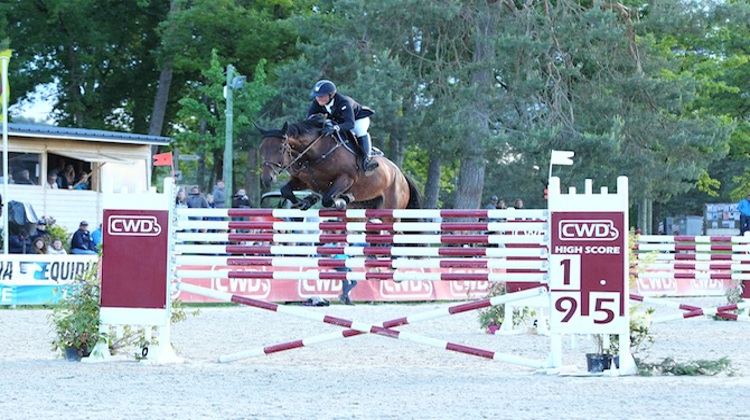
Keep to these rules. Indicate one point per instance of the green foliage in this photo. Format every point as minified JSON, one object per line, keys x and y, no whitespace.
{"x":701,"y":367}
{"x":58,"y":232}
{"x":641,"y":337}
{"x":203,"y":112}
{"x":655,"y":91}
{"x":75,"y":319}
{"x":492,"y":315}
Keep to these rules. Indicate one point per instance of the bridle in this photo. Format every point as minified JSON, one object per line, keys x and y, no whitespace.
{"x":287,"y":149}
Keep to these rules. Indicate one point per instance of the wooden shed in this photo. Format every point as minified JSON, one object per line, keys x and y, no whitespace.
{"x":113,"y":161}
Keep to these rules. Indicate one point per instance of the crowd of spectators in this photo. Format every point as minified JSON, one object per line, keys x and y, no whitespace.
{"x":40,"y":241}
{"x":63,"y":176}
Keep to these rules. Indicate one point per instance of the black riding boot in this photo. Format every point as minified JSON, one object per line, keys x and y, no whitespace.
{"x":367,"y":164}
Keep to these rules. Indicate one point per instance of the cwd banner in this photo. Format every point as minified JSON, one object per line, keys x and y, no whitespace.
{"x":368,"y":291}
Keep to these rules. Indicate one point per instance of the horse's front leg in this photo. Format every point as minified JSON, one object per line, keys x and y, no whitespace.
{"x":333,"y":197}
{"x":287,"y":191}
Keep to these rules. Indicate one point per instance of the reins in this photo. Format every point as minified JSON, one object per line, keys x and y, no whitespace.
{"x":288,"y":148}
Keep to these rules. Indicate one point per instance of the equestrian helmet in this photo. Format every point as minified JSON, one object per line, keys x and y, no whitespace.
{"x":323,"y":87}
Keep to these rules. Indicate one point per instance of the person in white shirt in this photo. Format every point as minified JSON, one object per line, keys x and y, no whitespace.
{"x":56,"y":248}
{"x":52,"y":181}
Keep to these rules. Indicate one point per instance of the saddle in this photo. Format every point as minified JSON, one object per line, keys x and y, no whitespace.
{"x":351,"y":144}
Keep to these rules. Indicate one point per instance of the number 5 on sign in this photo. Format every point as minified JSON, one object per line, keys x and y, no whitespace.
{"x":603,"y":307}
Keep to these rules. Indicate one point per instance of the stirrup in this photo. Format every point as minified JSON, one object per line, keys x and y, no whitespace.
{"x":369,"y":167}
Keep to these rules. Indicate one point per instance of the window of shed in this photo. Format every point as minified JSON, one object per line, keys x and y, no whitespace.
{"x":23,"y":168}
{"x":70,"y":171}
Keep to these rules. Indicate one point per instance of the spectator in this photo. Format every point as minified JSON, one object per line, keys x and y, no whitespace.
{"x":518,"y":204}
{"x":195,"y":199}
{"x":18,"y":243}
{"x":81,"y":242}
{"x":23,"y":178}
{"x":346,"y":285}
{"x":84,"y":180}
{"x":60,"y":171}
{"x":39,"y":245}
{"x":241,"y":200}
{"x":744,"y":208}
{"x":210,"y":201}
{"x":220,"y":195}
{"x":56,"y":248}
{"x":181,"y":201}
{"x":68,"y":177}
{"x":52,"y":181}
{"x":96,"y":236}
{"x":501,"y":205}
{"x":492,"y":204}
{"x":41,"y":231}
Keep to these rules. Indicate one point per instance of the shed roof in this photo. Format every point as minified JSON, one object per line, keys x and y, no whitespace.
{"x":52,"y":132}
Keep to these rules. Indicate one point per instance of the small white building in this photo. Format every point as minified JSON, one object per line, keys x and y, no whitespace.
{"x":114,"y":161}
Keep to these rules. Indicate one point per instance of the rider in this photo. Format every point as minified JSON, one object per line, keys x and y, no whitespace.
{"x":347,"y":114}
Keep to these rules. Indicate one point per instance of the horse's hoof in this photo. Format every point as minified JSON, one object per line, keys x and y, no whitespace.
{"x":339,"y":204}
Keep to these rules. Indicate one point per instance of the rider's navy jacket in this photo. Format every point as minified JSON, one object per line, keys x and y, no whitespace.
{"x":344,"y":111}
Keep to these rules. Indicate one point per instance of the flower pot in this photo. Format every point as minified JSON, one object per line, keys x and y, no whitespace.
{"x":72,"y":354}
{"x":598,"y":362}
{"x":492,"y":329}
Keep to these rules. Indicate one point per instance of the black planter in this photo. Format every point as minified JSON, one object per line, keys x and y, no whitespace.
{"x":596,"y":362}
{"x":74,"y":354}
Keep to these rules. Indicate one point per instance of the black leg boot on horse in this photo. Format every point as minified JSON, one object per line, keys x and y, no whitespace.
{"x":368,"y":165}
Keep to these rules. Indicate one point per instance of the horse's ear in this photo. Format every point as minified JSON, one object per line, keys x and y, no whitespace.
{"x":285,"y":128}
{"x":318,"y":119}
{"x":262,"y":130}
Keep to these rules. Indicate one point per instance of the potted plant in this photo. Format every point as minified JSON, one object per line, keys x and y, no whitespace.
{"x":491,"y":318}
{"x":601,"y":360}
{"x":75,"y":318}
{"x":608,"y":346}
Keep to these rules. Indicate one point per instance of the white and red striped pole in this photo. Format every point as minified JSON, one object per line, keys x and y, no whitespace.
{"x":692,"y":311}
{"x":356,"y":328}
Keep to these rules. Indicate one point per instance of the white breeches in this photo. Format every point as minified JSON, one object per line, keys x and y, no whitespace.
{"x":361,"y":127}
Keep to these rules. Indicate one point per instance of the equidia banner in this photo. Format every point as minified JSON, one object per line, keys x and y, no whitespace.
{"x":32,"y":279}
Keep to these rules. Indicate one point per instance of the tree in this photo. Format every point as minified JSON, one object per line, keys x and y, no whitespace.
{"x":203,"y":117}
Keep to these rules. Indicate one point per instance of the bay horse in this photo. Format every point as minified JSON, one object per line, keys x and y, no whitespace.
{"x":323,"y":164}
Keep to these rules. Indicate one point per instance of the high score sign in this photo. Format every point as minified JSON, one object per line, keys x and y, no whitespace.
{"x":587,"y":267}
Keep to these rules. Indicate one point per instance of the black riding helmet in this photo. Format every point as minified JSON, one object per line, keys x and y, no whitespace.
{"x":323,"y":87}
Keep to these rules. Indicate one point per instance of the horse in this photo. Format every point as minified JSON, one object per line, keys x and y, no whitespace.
{"x":326,"y":165}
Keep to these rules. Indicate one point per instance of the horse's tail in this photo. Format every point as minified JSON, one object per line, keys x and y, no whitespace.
{"x":415,"y":197}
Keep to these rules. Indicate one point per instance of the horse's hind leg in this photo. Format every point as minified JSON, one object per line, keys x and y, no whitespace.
{"x":333,"y":197}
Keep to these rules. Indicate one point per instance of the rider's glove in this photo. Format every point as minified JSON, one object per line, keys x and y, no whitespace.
{"x":329,"y":129}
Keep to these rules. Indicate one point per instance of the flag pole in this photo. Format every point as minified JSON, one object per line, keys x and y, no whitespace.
{"x":4,"y":94}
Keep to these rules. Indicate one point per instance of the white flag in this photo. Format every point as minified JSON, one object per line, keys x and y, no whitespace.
{"x":562,"y":157}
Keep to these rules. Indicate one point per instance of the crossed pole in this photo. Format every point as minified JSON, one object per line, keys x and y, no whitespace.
{"x":355,"y":328}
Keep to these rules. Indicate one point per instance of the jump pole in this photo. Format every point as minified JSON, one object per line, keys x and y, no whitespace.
{"x":362,"y":327}
{"x":425,"y":316}
{"x":720,"y":310}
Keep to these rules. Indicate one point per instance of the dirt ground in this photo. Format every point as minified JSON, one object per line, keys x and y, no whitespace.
{"x":366,"y":376}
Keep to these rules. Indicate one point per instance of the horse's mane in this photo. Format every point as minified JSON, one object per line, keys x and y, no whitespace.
{"x":311,"y":125}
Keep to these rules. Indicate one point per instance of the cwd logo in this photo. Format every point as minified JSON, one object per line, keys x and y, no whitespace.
{"x":121,"y":225}
{"x":587,"y":230}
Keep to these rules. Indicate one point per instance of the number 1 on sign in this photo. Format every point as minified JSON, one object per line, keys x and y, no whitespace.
{"x":565,"y":272}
